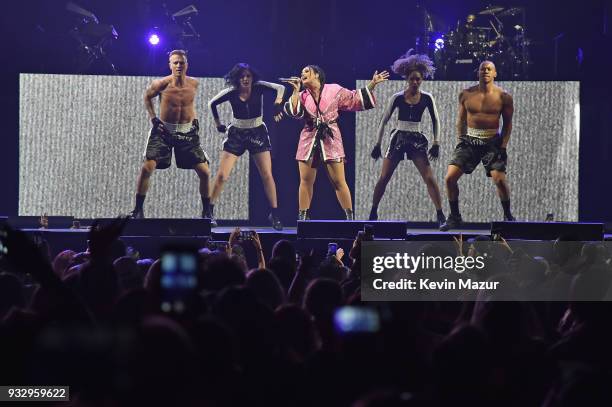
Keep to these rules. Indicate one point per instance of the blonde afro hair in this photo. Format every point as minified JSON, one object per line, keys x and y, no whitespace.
{"x":413,"y":62}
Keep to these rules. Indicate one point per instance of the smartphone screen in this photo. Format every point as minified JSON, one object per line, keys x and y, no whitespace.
{"x":178,"y":279}
{"x":356,"y":320}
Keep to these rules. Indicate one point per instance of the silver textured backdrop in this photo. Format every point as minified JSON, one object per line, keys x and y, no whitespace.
{"x":81,"y":142}
{"x":542,"y":156}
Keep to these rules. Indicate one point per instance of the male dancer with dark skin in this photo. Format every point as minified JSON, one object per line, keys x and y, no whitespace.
{"x":176,"y":128}
{"x":480,"y":108}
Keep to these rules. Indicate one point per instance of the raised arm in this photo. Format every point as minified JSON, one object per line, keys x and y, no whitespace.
{"x":280,"y":90}
{"x":461,"y":117}
{"x":507,"y":113}
{"x":294,"y":107}
{"x":361,"y":99}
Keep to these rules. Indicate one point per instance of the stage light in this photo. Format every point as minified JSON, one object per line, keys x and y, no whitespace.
{"x":153,"y":39}
{"x":439,"y":44}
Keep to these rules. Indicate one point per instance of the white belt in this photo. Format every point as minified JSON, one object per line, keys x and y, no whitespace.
{"x":481,"y":133}
{"x":404,"y":125}
{"x":178,"y":127}
{"x":247,"y":123}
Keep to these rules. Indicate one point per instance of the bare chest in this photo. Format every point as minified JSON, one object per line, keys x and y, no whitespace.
{"x":484,"y":104}
{"x":179,"y":96}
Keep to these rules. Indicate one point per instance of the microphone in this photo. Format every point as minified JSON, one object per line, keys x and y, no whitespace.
{"x":286,"y":79}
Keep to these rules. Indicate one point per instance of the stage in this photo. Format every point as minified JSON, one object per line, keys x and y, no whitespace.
{"x":149,"y":236}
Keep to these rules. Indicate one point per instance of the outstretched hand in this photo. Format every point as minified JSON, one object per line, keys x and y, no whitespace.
{"x":378,"y":78}
{"x":339,"y":255}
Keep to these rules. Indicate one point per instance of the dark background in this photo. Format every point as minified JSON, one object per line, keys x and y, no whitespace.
{"x":349,"y":39}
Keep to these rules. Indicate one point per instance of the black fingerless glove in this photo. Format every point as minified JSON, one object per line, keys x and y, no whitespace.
{"x":158,"y":126}
{"x":376,"y":153}
{"x":157,"y":123}
{"x":221,"y":128}
{"x":434,"y":151}
{"x":503,"y":155}
{"x":278,"y":108}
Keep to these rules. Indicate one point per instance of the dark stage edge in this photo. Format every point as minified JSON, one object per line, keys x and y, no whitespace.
{"x":149,"y":246}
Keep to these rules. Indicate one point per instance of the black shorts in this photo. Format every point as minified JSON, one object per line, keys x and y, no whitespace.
{"x":412,"y":144}
{"x":256,"y":140}
{"x":187,"y":150}
{"x":471,"y":151}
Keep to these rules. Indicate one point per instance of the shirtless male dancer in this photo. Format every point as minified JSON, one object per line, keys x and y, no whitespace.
{"x":480,"y":108}
{"x":176,"y":128}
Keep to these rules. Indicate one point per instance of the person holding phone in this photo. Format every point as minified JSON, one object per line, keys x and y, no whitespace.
{"x":319,"y":104}
{"x":247,"y":131}
{"x":406,"y":138}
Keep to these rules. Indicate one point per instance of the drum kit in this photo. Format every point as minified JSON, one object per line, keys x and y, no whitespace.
{"x":495,"y":33}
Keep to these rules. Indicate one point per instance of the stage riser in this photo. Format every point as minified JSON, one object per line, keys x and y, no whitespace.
{"x":333,"y":229}
{"x":549,"y":230}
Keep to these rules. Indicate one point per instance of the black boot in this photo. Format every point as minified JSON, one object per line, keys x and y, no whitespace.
{"x":210,"y":215}
{"x":304,"y":214}
{"x":452,"y":222}
{"x":137,"y":213}
{"x":349,"y":214}
{"x":275,"y":221}
{"x":441,"y":218}
{"x":373,"y":213}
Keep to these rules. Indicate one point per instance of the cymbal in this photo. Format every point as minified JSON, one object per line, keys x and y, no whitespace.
{"x":491,"y":10}
{"x":511,"y":12}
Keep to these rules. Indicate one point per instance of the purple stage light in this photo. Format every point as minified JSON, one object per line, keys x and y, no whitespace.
{"x":439,"y":44}
{"x":153,"y":39}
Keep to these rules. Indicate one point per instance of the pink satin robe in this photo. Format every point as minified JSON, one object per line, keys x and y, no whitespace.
{"x":334,"y":98}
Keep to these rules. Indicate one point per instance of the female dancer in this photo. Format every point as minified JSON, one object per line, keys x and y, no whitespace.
{"x":320,"y":139}
{"x":247,"y":131}
{"x":406,"y":137}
